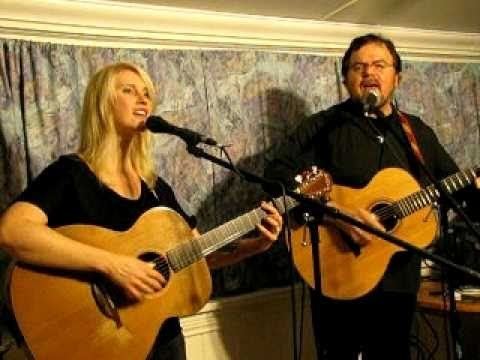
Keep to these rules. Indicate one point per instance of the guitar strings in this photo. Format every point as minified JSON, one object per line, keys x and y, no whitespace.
{"x":161,"y":264}
{"x":386,"y":212}
{"x":410,"y":201}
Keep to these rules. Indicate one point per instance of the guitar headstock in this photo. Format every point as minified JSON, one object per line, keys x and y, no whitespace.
{"x":315,"y":183}
{"x":476,"y":170}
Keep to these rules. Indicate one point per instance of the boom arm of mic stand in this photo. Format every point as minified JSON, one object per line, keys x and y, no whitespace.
{"x":319,"y":209}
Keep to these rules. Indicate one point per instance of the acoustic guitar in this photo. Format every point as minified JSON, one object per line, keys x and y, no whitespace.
{"x":404,"y":209}
{"x":77,"y":315}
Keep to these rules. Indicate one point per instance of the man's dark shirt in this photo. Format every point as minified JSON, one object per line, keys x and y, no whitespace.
{"x":70,"y":193}
{"x":352,"y":149}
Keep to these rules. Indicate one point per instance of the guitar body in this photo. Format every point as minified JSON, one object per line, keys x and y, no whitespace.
{"x":60,"y":319}
{"x":345,"y":275}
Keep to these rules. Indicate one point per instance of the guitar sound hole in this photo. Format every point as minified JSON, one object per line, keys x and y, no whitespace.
{"x":159,"y":263}
{"x":386,"y":217}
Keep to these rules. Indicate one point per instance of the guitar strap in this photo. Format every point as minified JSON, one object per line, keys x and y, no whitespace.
{"x":407,"y":129}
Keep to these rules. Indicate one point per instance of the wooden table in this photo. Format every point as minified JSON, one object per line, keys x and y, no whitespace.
{"x":432,"y":304}
{"x":429,"y":297}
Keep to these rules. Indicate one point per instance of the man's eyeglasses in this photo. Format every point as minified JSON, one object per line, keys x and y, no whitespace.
{"x":377,"y":66}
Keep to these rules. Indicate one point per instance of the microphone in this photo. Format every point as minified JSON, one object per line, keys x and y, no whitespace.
{"x":371,"y":100}
{"x":157,"y":124}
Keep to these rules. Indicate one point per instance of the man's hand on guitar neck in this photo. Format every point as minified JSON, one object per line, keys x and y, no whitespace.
{"x":359,"y":236}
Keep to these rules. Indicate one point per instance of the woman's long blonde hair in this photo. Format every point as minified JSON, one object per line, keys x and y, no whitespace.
{"x":97,"y":121}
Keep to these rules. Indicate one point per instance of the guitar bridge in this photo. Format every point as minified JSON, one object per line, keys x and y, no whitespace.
{"x":352,"y":245}
{"x":433,"y":208}
{"x":105,"y":303}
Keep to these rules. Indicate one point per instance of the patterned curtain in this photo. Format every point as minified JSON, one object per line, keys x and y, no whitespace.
{"x":248,"y":99}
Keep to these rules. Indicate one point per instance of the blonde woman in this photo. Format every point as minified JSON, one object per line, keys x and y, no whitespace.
{"x":110,"y":182}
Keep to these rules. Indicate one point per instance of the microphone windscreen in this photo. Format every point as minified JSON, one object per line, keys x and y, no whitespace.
{"x":156,"y":123}
{"x":372,"y":98}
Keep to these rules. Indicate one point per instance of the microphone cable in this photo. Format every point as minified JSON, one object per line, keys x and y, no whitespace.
{"x":287,"y":236}
{"x":288,"y":240}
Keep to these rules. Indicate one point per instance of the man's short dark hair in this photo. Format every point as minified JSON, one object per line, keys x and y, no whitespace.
{"x":363,"y":40}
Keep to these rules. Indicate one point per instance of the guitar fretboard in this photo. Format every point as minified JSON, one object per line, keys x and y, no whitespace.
{"x":427,"y":196}
{"x":192,"y":251}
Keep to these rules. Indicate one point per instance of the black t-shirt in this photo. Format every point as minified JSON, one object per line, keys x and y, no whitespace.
{"x":70,"y":193}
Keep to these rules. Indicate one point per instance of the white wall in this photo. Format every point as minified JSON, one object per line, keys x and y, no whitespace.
{"x":253,"y":326}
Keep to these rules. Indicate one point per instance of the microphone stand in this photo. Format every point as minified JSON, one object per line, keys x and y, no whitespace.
{"x":318,"y":209}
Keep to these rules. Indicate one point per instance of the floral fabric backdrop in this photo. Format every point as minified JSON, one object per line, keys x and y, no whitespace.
{"x":249,"y":99}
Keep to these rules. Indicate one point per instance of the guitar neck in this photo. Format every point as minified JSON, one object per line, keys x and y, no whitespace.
{"x":192,"y":251}
{"x":430,"y":194}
